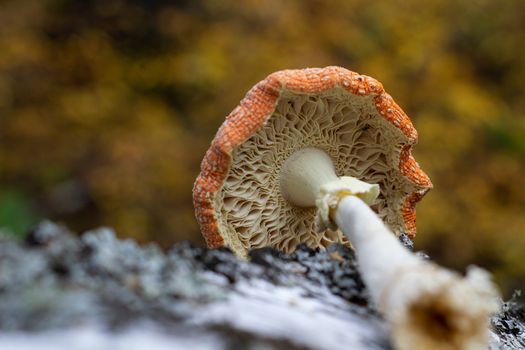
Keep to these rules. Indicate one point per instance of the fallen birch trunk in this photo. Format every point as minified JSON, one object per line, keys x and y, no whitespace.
{"x":58,"y":291}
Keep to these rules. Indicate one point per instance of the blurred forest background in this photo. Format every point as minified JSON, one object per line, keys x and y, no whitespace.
{"x":107,"y":107}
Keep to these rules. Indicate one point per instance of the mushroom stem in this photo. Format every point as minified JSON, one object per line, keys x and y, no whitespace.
{"x":427,"y":306}
{"x":307,"y":170}
{"x":302,"y":175}
{"x":378,"y":251}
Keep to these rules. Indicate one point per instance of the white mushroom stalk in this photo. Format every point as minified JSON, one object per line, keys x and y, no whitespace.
{"x":307,"y":170}
{"x":428,"y":307}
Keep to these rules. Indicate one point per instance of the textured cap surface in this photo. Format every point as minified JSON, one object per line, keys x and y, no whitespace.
{"x":348,"y":115}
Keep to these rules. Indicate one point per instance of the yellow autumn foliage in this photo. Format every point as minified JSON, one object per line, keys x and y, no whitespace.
{"x":107,"y":107}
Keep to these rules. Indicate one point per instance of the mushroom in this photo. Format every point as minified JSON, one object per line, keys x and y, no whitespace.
{"x":294,"y":162}
{"x":337,"y":122}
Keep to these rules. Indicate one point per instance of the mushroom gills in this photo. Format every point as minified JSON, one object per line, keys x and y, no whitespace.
{"x":358,"y":141}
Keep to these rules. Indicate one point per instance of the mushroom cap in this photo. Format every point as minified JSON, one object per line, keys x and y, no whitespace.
{"x":349,"y":116}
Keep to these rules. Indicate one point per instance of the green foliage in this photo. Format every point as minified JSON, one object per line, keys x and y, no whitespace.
{"x":107,"y":107}
{"x":507,"y":137}
{"x":16,"y":214}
